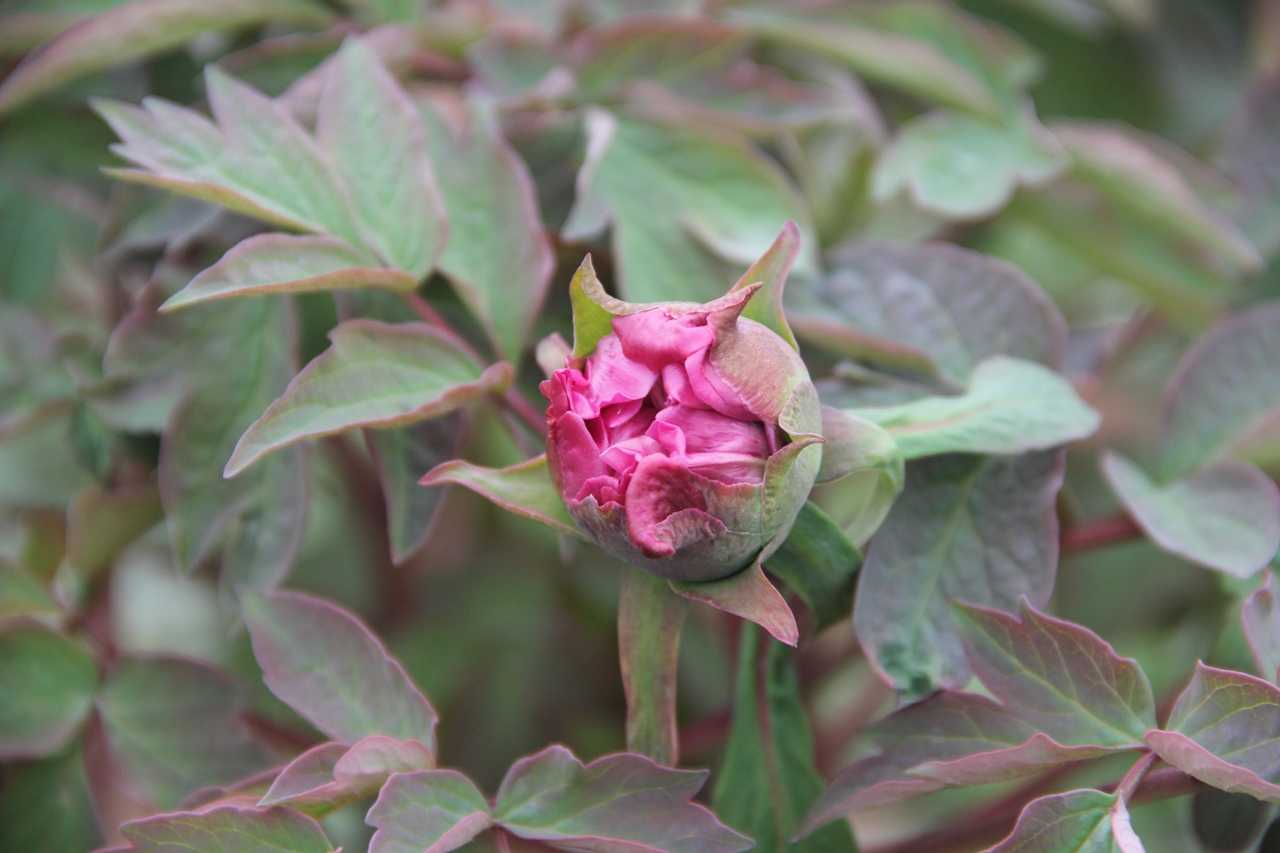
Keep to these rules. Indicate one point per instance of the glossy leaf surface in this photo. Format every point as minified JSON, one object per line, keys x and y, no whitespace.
{"x":327,"y":666}
{"x":47,"y":683}
{"x":374,"y":374}
{"x":967,"y":528}
{"x":1225,"y":516}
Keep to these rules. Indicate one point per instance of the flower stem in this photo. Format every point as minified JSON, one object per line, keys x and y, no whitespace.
{"x":650,"y":617}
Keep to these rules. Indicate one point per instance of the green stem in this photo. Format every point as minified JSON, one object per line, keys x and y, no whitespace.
{"x":650,"y":617}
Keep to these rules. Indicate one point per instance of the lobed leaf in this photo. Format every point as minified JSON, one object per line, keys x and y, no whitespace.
{"x":963,"y":167}
{"x":966,"y":528}
{"x":1011,"y":406}
{"x":491,"y":200}
{"x":374,"y":374}
{"x":1075,"y":822}
{"x":227,"y":829}
{"x":935,"y":309}
{"x":326,"y":665}
{"x":1262,"y":627}
{"x":138,"y":29}
{"x":748,"y":594}
{"x":47,"y":683}
{"x":284,"y":263}
{"x":1061,"y":678}
{"x":1224,"y":399}
{"x":819,"y":563}
{"x":616,"y":804}
{"x":332,"y":775}
{"x":431,"y":811}
{"x":525,"y":489}
{"x":369,"y":129}
{"x":767,"y":780}
{"x":1225,"y":731}
{"x":1225,"y":516}
{"x":176,"y":726}
{"x":722,"y":204}
{"x":254,"y":158}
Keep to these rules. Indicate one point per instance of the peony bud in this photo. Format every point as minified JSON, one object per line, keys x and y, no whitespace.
{"x":683,"y":438}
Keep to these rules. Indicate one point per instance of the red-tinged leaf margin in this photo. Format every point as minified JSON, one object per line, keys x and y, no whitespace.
{"x":748,"y":594}
{"x":430,"y":811}
{"x":1252,"y":697}
{"x":771,"y":271}
{"x":298,"y":683}
{"x":1261,"y":617}
{"x":274,"y":830}
{"x":525,"y":489}
{"x":331,"y":775}
{"x":1088,"y":815}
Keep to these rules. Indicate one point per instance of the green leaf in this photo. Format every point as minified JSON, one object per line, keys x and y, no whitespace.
{"x":771,"y":271}
{"x":525,"y":489}
{"x":283,"y":263}
{"x":137,"y":29}
{"x":862,"y":473}
{"x":176,"y":726}
{"x":1224,"y":399}
{"x":432,"y":810}
{"x":750,"y":595}
{"x":21,"y":594}
{"x":101,"y":524}
{"x":981,"y":530}
{"x":402,"y":455}
{"x":591,"y":320}
{"x":1012,"y":406}
{"x":329,"y":776}
{"x":46,"y":690}
{"x":1150,"y":188}
{"x":1261,"y":617}
{"x":1082,"y":821}
{"x":819,"y":563}
{"x":1225,"y":516}
{"x":227,"y":829}
{"x":326,"y":665}
{"x":398,"y":209}
{"x":34,"y":387}
{"x":722,"y":204}
{"x":45,"y":807}
{"x":552,"y":797}
{"x":256,"y":160}
{"x":963,"y":167}
{"x":491,"y":200}
{"x":375,"y":374}
{"x":768,"y":781}
{"x":936,"y":310}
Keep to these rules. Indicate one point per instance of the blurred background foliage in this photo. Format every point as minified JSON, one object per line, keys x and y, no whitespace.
{"x":509,"y":631}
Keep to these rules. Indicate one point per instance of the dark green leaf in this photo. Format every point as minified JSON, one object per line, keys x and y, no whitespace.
{"x":46,"y":690}
{"x":820,"y":564}
{"x":45,"y":808}
{"x":403,"y":455}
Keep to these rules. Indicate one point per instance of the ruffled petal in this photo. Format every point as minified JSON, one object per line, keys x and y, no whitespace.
{"x":614,"y":378}
{"x":661,"y":488}
{"x":656,"y":339}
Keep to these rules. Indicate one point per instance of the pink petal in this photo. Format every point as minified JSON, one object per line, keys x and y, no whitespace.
{"x":576,"y":452}
{"x":657,"y":339}
{"x":728,"y":468}
{"x":675,"y":382}
{"x":713,"y":390}
{"x":661,"y":488}
{"x":624,"y":456}
{"x":614,"y":378}
{"x":706,"y":430}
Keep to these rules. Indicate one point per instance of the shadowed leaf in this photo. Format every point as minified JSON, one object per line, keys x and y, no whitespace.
{"x":1074,"y":822}
{"x":326,"y":665}
{"x":616,"y":804}
{"x":227,"y":829}
{"x":1261,"y":615}
{"x":1224,"y":399}
{"x":490,"y":197}
{"x":431,"y":811}
{"x":374,"y":374}
{"x":138,"y":29}
{"x":332,"y":775}
{"x":256,"y":159}
{"x":862,"y":473}
{"x":44,"y":806}
{"x":934,"y":309}
{"x":525,"y":489}
{"x":1061,"y":678}
{"x":393,"y":192}
{"x":723,"y":204}
{"x":100,"y":523}
{"x":46,"y":690}
{"x":819,"y":563}
{"x":176,"y":726}
{"x":1225,"y":731}
{"x":283,"y":263}
{"x":748,"y":594}
{"x":402,"y":455}
{"x":963,"y":167}
{"x":1011,"y":406}
{"x":1225,"y":516}
{"x":966,"y":528}
{"x":768,"y":780}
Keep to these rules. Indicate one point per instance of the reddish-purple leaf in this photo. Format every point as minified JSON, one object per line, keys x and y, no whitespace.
{"x":331,"y":775}
{"x":1225,"y":730}
{"x":326,"y":665}
{"x":1261,"y":616}
{"x":617,"y":804}
{"x":748,"y":594}
{"x":950,"y":739}
{"x":227,"y":829}
{"x":1060,"y":678}
{"x":525,"y":489}
{"x":431,"y":811}
{"x":1074,"y":822}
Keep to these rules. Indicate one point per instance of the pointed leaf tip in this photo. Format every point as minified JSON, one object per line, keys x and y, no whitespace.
{"x":748,"y":594}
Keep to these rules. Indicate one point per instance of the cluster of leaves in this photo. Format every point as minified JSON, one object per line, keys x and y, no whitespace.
{"x":973,"y":290}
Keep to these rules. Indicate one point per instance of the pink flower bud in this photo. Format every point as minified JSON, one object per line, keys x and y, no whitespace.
{"x":683,"y":442}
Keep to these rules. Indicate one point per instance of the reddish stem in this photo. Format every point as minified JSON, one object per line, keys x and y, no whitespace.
{"x":1098,"y":534}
